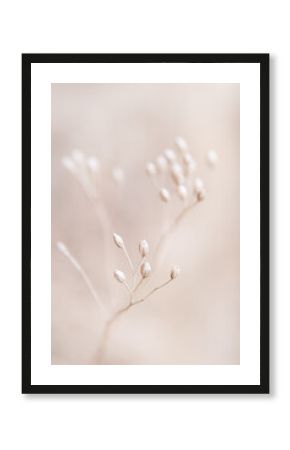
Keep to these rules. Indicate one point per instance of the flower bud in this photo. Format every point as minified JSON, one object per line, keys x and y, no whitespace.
{"x":161,"y":163}
{"x":151,"y":169}
{"x":201,"y":195}
{"x":165,"y":195}
{"x":199,"y":189}
{"x":118,"y":175}
{"x":118,"y":240}
{"x":189,"y":162}
{"x":181,"y":144}
{"x":69,"y":164}
{"x":62,"y":248}
{"x":143,"y":248}
{"x":175,"y":271}
{"x":93,"y":164}
{"x":198,"y":184}
{"x":212,"y":158}
{"x":120,"y":276}
{"x":78,"y":156}
{"x":190,"y":167}
{"x":182,"y":191}
{"x":170,"y":155}
{"x":145,"y":269}
{"x":176,"y":173}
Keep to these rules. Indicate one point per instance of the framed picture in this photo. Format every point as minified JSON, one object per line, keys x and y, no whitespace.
{"x":145,"y":223}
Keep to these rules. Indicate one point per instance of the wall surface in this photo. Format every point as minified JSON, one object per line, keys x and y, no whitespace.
{"x":203,"y":422}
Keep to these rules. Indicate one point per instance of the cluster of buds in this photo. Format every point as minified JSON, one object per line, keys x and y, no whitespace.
{"x":176,"y":167}
{"x":144,"y":267}
{"x":87,"y":170}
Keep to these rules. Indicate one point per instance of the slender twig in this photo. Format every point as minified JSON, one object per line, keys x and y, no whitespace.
{"x":106,"y":227}
{"x":106,"y":331}
{"x":64,"y":250}
{"x":128,"y":258}
{"x":120,"y":312}
{"x":134,"y":287}
{"x":138,"y":285}
{"x":128,"y":288}
{"x":152,"y":292}
{"x":172,"y":226}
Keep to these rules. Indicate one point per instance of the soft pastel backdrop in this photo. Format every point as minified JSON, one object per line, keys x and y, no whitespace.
{"x":195,"y":320}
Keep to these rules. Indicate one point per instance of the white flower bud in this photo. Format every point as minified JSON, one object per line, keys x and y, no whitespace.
{"x":175,"y":271}
{"x":198,"y":184}
{"x":161,"y":163}
{"x":78,"y":156}
{"x":182,"y":191}
{"x":181,"y":144}
{"x":212,"y":158}
{"x":187,"y":158}
{"x":143,"y":248}
{"x":165,"y":195}
{"x":151,"y":169}
{"x":93,"y":164}
{"x":170,"y":155}
{"x":189,"y":162}
{"x":62,"y":248}
{"x":69,"y":164}
{"x":118,"y":240}
{"x":201,"y":195}
{"x":177,"y":174}
{"x":199,"y":189}
{"x":176,"y":168}
{"x":191,"y":167}
{"x":120,"y":276}
{"x":145,"y":269}
{"x":118,"y":174}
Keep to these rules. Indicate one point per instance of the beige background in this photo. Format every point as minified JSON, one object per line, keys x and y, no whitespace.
{"x":195,"y":320}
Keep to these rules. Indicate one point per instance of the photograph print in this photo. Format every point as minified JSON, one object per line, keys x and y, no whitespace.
{"x":145,"y":223}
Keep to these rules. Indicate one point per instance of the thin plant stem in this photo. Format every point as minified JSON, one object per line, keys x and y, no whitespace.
{"x":128,"y":288}
{"x":104,"y":221}
{"x":134,"y":287}
{"x":106,"y":227}
{"x":111,"y":321}
{"x":163,"y":238}
{"x":124,"y":248}
{"x":106,"y":331}
{"x":85,"y":277}
{"x":92,"y":289}
{"x":152,"y":292}
{"x":138,"y":285}
{"x":128,"y":258}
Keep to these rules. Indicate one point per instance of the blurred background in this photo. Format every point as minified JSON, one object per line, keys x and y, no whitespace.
{"x":193,"y":320}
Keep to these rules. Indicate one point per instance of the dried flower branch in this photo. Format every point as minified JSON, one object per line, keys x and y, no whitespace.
{"x":145,"y":271}
{"x":177,"y":168}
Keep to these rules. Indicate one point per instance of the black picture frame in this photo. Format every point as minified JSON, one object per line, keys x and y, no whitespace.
{"x":263,"y":60}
